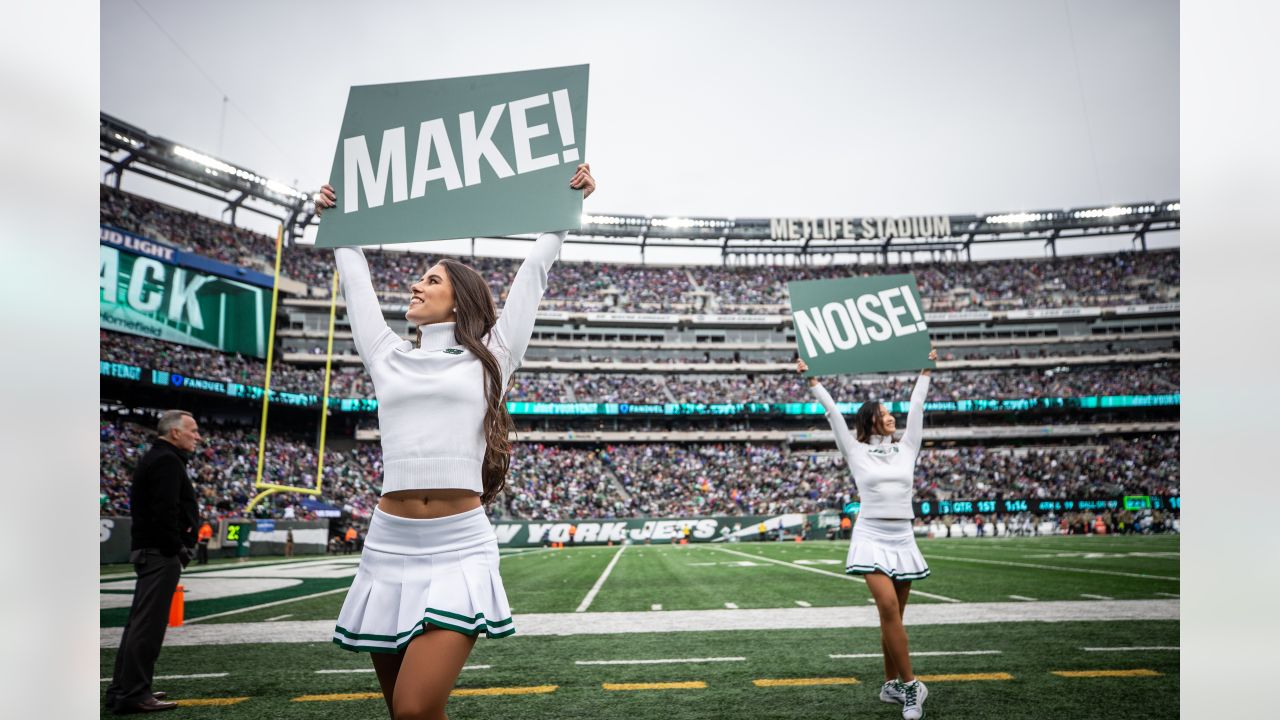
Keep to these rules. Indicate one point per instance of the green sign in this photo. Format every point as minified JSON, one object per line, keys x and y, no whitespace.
{"x":860,"y":324}
{"x":147,"y":297}
{"x":1137,"y":502}
{"x":488,"y":155}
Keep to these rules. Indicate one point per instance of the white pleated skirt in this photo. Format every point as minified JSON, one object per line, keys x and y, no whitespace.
{"x":887,"y":546}
{"x":414,"y":574}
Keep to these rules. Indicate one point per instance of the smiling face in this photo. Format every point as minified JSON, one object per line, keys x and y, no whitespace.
{"x":433,"y":299}
{"x":886,"y":424}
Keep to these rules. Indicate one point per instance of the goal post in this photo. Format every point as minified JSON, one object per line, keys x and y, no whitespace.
{"x":267,"y":489}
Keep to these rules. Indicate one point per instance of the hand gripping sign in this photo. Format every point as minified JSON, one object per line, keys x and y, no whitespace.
{"x":488,"y":155}
{"x":860,"y":324}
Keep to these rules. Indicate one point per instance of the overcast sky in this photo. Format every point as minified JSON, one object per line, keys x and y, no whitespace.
{"x":737,"y":109}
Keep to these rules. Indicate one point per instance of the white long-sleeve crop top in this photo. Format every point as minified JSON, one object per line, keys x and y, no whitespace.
{"x":883,"y":470}
{"x":431,"y":399}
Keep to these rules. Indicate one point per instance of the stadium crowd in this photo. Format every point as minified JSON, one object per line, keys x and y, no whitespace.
{"x":981,"y":285}
{"x":224,"y":468}
{"x":761,"y":357}
{"x":1084,"y":280}
{"x":353,"y":381}
{"x":946,"y":385}
{"x":634,"y":480}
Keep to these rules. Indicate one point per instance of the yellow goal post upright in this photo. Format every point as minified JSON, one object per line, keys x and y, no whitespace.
{"x":268,"y":489}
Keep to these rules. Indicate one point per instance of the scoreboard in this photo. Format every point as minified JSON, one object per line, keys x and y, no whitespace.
{"x":1036,"y":506}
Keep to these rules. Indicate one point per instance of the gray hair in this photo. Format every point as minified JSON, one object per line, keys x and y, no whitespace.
{"x":170,"y":419}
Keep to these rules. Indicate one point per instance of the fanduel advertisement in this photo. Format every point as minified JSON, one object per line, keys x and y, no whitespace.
{"x":146,"y":296}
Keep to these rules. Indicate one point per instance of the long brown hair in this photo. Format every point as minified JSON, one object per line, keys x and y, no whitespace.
{"x":476,"y":316}
{"x":867,"y":422}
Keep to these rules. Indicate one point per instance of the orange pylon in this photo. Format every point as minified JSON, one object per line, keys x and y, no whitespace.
{"x":176,"y":607}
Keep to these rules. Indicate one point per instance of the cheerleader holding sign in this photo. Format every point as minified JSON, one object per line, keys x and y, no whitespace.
{"x":428,"y":583}
{"x":883,"y":546}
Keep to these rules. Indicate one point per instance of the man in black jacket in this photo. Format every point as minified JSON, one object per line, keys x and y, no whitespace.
{"x":162,"y":501}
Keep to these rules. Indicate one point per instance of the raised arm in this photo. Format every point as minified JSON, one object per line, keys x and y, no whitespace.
{"x":369,"y":328}
{"x":510,"y":336}
{"x":914,"y":434}
{"x":511,"y":333}
{"x":844,"y":439}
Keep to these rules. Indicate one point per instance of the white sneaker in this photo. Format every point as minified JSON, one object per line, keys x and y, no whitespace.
{"x":891,"y":693}
{"x":913,"y":694}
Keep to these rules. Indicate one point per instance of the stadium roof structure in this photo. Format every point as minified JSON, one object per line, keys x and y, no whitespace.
{"x":127,"y":148}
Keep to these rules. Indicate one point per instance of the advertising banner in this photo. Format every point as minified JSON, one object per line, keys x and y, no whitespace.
{"x":487,"y":155}
{"x":521,"y":533}
{"x":1053,"y":313}
{"x":114,"y":539}
{"x":139,"y":245}
{"x":860,"y":324}
{"x":145,"y":296}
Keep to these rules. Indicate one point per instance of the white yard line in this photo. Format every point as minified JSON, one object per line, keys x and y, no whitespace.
{"x":1036,"y":566}
{"x":936,"y":653}
{"x":656,"y":606}
{"x":278,"y":617}
{"x":1024,"y":598}
{"x":1172,"y":595}
{"x":323,"y":560}
{"x":731,"y":606}
{"x":522,"y":553}
{"x":665,"y":661}
{"x":1096,"y":597}
{"x":843,"y":576}
{"x":802,"y":603}
{"x":202,"y":618}
{"x":1136,"y":647}
{"x":787,"y":618}
{"x":344,"y":671}
{"x":196,"y":676}
{"x":591,"y":594}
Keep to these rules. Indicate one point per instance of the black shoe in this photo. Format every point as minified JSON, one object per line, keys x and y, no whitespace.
{"x":149,"y":705}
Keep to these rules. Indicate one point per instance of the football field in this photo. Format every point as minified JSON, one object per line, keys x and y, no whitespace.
{"x":1005,"y":627}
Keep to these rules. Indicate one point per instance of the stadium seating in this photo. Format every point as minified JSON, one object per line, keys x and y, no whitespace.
{"x":1111,"y":279}
{"x":645,"y":479}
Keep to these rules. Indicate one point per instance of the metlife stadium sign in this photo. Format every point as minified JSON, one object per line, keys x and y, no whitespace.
{"x":141,"y":294}
{"x":871,"y":229}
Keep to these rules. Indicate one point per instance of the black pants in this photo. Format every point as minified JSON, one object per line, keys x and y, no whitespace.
{"x":202,"y":553}
{"x":144,"y":630}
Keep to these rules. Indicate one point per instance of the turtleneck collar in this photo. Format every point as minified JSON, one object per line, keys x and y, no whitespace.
{"x":437,"y":336}
{"x":881,"y":439}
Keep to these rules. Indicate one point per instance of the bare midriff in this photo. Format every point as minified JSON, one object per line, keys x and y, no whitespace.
{"x":425,"y":504}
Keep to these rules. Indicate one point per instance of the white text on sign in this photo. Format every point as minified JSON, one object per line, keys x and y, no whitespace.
{"x":870,"y":318}
{"x":359,"y":171}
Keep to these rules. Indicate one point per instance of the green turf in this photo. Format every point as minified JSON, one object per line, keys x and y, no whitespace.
{"x":271,"y":675}
{"x":749,"y":575}
{"x":115,"y":617}
{"x":701,"y":577}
